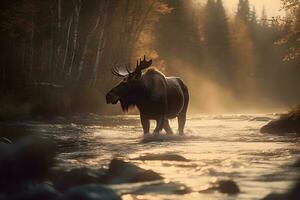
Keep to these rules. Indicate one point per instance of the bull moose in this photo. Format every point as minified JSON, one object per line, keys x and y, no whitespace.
{"x":156,"y":96}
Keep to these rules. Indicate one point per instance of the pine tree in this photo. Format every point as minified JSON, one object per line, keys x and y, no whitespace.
{"x":253,"y":24}
{"x":264,"y":18}
{"x":243,"y":11}
{"x":217,"y":39}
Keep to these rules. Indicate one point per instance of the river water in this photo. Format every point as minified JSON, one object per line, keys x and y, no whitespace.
{"x":218,"y":147}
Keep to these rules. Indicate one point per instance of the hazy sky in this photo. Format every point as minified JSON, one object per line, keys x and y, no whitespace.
{"x":272,"y":6}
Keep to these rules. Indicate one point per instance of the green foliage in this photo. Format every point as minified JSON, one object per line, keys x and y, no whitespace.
{"x":216,"y":30}
{"x":243,"y":10}
{"x":292,"y":39}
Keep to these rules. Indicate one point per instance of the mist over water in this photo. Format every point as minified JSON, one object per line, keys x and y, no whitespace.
{"x":218,"y":147}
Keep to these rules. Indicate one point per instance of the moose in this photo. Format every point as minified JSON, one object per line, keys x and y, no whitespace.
{"x":156,"y":96}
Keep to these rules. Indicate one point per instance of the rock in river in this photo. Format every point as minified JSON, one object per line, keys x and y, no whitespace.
{"x":25,"y":161}
{"x":76,"y":177}
{"x":37,"y":191}
{"x":165,"y":157}
{"x":90,"y":192}
{"x":125,"y":172}
{"x":228,"y":187}
{"x":288,"y":123}
{"x":223,"y":186}
{"x":293,"y":194}
{"x":4,"y":140}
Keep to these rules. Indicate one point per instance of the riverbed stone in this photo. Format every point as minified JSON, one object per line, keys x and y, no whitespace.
{"x":224,"y":186}
{"x":3,"y":197}
{"x":275,"y":196}
{"x":27,"y":160}
{"x":228,"y":187}
{"x":5,"y":140}
{"x":161,"y":187}
{"x":285,"y":124}
{"x":37,"y":191}
{"x":292,"y":194}
{"x":162,"y":157}
{"x":90,"y":192}
{"x":76,"y":177}
{"x":125,"y":172}
{"x":261,"y":119}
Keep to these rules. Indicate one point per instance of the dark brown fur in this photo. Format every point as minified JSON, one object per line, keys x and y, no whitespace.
{"x":156,"y":96}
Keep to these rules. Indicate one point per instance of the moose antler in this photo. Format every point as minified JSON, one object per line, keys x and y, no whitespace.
{"x":144,"y":64}
{"x":115,"y":71}
{"x":128,"y":69}
{"x":140,"y":65}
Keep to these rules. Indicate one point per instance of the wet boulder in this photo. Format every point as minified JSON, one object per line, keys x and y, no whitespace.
{"x":3,"y":197}
{"x":37,"y":191}
{"x":288,"y":123}
{"x":125,"y":172}
{"x":224,"y":186}
{"x":260,"y":119}
{"x":76,"y":177}
{"x":292,"y":194}
{"x":296,"y":164}
{"x":27,"y":160}
{"x":275,"y":196}
{"x":228,"y":187}
{"x":162,"y":157}
{"x":161,"y":187}
{"x":4,"y":140}
{"x":90,"y":192}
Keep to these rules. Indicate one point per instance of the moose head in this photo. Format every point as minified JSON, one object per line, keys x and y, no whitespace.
{"x":129,"y":90}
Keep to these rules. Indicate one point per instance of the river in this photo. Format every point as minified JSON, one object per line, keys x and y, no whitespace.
{"x":218,"y":147}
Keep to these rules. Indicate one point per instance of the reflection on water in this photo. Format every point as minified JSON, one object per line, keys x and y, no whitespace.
{"x":223,"y":146}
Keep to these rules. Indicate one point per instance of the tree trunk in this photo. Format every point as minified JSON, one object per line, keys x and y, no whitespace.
{"x":59,"y":15}
{"x":100,"y":46}
{"x":58,"y":37}
{"x":67,"y":46}
{"x":23,"y":54}
{"x":75,"y":37}
{"x":31,"y":48}
{"x":82,"y":59}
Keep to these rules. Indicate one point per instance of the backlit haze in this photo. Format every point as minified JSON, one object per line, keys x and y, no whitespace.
{"x":272,"y":6}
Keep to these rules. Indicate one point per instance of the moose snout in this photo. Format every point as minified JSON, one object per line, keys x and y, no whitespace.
{"x":111,"y":98}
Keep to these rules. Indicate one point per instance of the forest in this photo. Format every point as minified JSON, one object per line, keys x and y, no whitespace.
{"x":57,"y":55}
{"x":82,"y":81}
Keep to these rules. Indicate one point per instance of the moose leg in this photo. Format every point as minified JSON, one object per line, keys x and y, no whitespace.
{"x":182,"y":118}
{"x":182,"y":115}
{"x":159,"y":125}
{"x":181,"y":122}
{"x":167,"y":127}
{"x":145,"y":124}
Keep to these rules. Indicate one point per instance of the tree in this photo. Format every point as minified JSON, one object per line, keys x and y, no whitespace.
{"x":292,"y":39}
{"x":217,"y":38}
{"x":177,"y":34}
{"x":243,"y":11}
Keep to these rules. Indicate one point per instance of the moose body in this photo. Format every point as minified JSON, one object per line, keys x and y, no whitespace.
{"x":157,"y":97}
